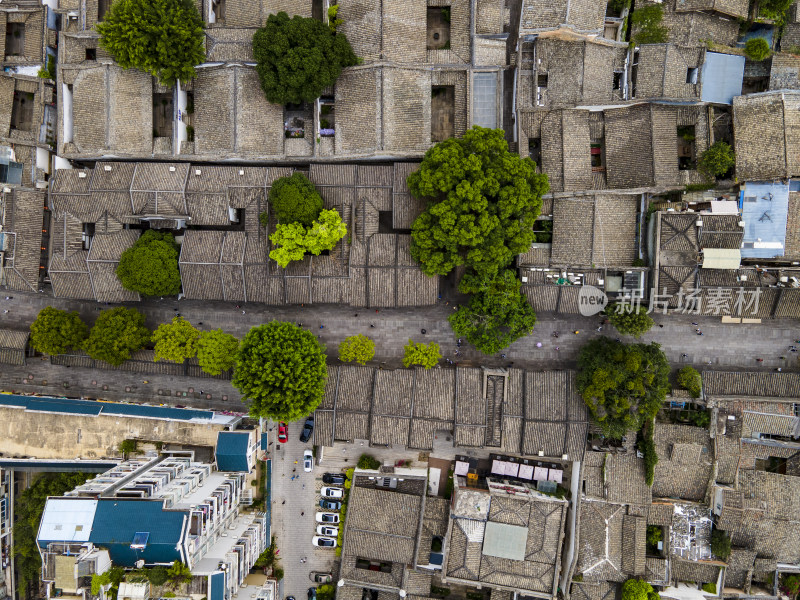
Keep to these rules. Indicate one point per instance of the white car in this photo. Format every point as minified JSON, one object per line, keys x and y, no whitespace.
{"x":327,"y":517}
{"x":327,"y":530}
{"x":323,"y":542}
{"x":332,"y":492}
{"x":308,"y":461}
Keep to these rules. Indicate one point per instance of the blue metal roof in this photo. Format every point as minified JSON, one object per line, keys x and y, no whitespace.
{"x":264,"y":441}
{"x":722,"y":77}
{"x":94,"y":408}
{"x":231,"y":451}
{"x":216,"y":586}
{"x":118,"y":522}
{"x":765,"y":210}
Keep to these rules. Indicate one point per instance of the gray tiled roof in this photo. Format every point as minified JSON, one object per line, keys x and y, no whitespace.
{"x":684,"y":462}
{"x":763,"y":148}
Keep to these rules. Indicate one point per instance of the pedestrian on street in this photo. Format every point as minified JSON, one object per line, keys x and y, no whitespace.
{"x":423,"y":331}
{"x":684,"y":356}
{"x":284,"y":502}
{"x":694,"y":323}
{"x":372,"y":325}
{"x":502,"y":356}
{"x":200,"y":323}
{"x":244,"y":313}
{"x":782,"y":357}
{"x":779,"y":369}
{"x":759,"y":360}
{"x":5,"y":311}
{"x":322,"y":326}
{"x":660,"y":325}
{"x":302,"y":513}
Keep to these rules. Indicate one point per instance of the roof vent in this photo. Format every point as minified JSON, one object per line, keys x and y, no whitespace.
{"x":541,"y":452}
{"x":107,"y":168}
{"x":524,"y":279}
{"x":784,"y":279}
{"x":198,"y":172}
{"x":743,"y":278}
{"x":741,"y":224}
{"x":82,"y":175}
{"x":565,"y":457}
{"x":172,"y":169}
{"x":241,"y":171}
{"x":698,"y":223}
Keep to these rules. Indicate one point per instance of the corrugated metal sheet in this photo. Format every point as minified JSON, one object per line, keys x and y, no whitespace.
{"x":722,"y":258}
{"x":722,"y":77}
{"x":231,"y":451}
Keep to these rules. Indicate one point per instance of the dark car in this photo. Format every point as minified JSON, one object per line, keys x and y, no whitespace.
{"x":312,"y":593}
{"x":330,"y":504}
{"x":308,"y":429}
{"x":333,"y":478}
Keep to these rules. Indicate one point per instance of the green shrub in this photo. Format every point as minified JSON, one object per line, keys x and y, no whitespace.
{"x":648,"y":448}
{"x":277,"y":573}
{"x":654,"y":534}
{"x":295,"y":200}
{"x":128,"y":447}
{"x":757,"y":49}
{"x":439,"y":591}
{"x":690,"y":380}
{"x":717,"y":160}
{"x":157,"y":575}
{"x":168,"y":595}
{"x":646,"y":21}
{"x":368,"y":462}
{"x":711,"y":588}
{"x":720,"y":544}
{"x":421,"y":354}
{"x":357,"y":348}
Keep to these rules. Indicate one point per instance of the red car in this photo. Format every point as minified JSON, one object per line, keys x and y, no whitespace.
{"x":282,"y":432}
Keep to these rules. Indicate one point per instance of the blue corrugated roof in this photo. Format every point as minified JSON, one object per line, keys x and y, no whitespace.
{"x":765,"y":210}
{"x":117,"y":522}
{"x":93,"y":407}
{"x":231,"y":452}
{"x":722,"y":77}
{"x":216,"y":586}
{"x":264,"y":441}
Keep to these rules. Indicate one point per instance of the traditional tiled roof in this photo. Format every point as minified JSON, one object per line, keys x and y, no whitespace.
{"x":694,"y":571}
{"x":740,"y":562}
{"x":751,"y":383}
{"x":600,"y":541}
{"x":662,"y":71}
{"x":12,"y":346}
{"x":763,"y":126}
{"x":684,"y":462}
{"x":583,"y":15}
{"x":22,"y":214}
{"x":31,"y":18}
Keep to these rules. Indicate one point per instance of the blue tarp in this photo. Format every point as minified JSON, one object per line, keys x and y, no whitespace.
{"x":722,"y":77}
{"x":765,"y":208}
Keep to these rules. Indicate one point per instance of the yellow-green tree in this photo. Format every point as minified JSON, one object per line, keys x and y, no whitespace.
{"x":176,"y":341}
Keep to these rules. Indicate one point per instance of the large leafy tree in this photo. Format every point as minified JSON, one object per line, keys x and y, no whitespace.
{"x":647,"y":27}
{"x":629,"y":320}
{"x":55,"y":331}
{"x":294,"y":240}
{"x":299,"y":57}
{"x":150,"y":266}
{"x":216,"y":351}
{"x":482,"y":203}
{"x":161,"y":37}
{"x":280,"y":369}
{"x":690,"y":380}
{"x":497,"y":313}
{"x":357,"y":348}
{"x":175,"y":341}
{"x":295,"y":200}
{"x":622,"y":384}
{"x":638,"y":589}
{"x":116,"y":334}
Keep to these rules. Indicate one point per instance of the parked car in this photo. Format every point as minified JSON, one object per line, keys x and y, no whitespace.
{"x":334,"y":479}
{"x":332,"y":492}
{"x":320,"y":577}
{"x":326,"y":517}
{"x":308,"y":461}
{"x":308,"y":429}
{"x":323,"y":542}
{"x":283,"y":433}
{"x":330,"y":504}
{"x":312,"y":593}
{"x":327,"y":530}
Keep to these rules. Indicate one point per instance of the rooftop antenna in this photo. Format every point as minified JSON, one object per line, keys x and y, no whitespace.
{"x":765,"y":217}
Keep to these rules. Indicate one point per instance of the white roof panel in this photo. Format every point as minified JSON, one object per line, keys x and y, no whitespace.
{"x":67,"y":519}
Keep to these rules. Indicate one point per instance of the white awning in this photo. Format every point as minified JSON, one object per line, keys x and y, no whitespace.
{"x":722,"y":258}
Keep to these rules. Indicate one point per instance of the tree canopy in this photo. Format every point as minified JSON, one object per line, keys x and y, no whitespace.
{"x":421,"y":354}
{"x":638,"y":589}
{"x":482,"y":203}
{"x":357,"y":348}
{"x":150,"y":266}
{"x":720,"y":544}
{"x":299,"y":57}
{"x":161,"y":37}
{"x":294,"y":240}
{"x":55,"y":331}
{"x":646,"y":25}
{"x":216,"y":351}
{"x":176,"y":341}
{"x":497,"y":313}
{"x":622,"y":384}
{"x":628,"y":321}
{"x":280,"y":370}
{"x":295,"y":199}
{"x":690,"y":380}
{"x":116,"y":334}
{"x":717,"y":160}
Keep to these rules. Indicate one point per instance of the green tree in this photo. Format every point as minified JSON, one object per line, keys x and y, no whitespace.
{"x":690,"y":380}
{"x":55,"y":331}
{"x":157,"y":575}
{"x":647,"y":27}
{"x":628,"y":321}
{"x":216,"y":351}
{"x":717,"y":160}
{"x":647,"y":446}
{"x":295,"y":200}
{"x":293,"y":240}
{"x":161,"y":37}
{"x":150,"y":266}
{"x":497,"y":313}
{"x":654,"y":535}
{"x":326,"y":592}
{"x":622,"y":384}
{"x":280,"y":369}
{"x":179,"y":573}
{"x":128,"y":447}
{"x":757,"y":49}
{"x":28,"y":509}
{"x":176,"y":341}
{"x":720,"y":544}
{"x":482,"y":203}
{"x":116,"y":334}
{"x":773,"y":9}
{"x":297,"y":58}
{"x":423,"y":355}
{"x":637,"y":589}
{"x":366,"y":461}
{"x":357,"y":348}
